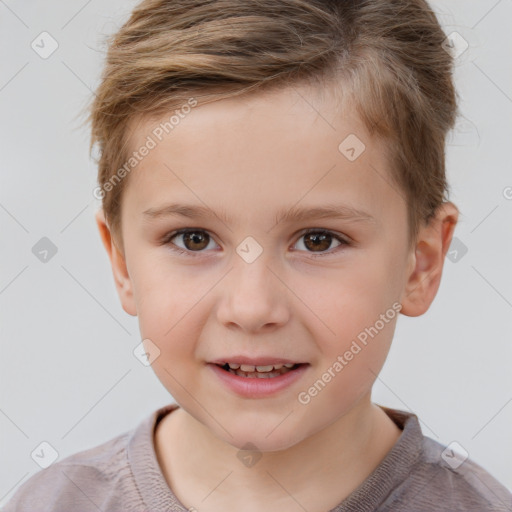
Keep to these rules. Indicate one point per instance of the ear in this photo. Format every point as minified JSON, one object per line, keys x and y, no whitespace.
{"x":121,"y":278}
{"x":427,"y":261}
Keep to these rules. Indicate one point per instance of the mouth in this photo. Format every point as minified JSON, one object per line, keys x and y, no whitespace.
{"x":268,"y":371}
{"x":257,"y":377}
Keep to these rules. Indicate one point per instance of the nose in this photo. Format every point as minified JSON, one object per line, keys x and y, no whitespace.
{"x":252,"y":297}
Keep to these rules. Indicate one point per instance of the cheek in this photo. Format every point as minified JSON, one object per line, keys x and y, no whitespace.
{"x":351,"y":299}
{"x":168,"y":305}
{"x":358,"y":309}
{"x":172,"y":321}
{"x":166,"y":294}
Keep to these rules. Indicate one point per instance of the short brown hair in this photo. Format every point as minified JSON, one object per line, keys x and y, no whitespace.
{"x":387,"y":54}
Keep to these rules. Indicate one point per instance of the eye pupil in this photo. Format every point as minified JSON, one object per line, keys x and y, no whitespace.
{"x":318,"y":240}
{"x":196,"y":237}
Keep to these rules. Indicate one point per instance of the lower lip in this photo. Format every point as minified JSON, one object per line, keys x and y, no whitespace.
{"x":258,"y":387}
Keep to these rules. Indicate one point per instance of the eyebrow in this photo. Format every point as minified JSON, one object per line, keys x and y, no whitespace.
{"x":294,"y":213}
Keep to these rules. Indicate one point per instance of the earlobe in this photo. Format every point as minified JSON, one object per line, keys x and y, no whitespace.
{"x":120,"y":272}
{"x":428,"y":259}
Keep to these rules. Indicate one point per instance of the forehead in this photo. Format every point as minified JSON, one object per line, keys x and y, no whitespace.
{"x":255,"y":154}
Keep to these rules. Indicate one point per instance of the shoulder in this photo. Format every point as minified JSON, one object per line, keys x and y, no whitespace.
{"x":84,"y":481}
{"x":444,"y":479}
{"x":428,"y":476}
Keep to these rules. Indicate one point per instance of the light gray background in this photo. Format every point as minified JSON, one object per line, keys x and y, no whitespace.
{"x":68,"y":374}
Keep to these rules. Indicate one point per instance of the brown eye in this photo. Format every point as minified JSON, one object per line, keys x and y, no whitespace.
{"x":320,"y":241}
{"x":193,"y":240}
{"x":317,"y":241}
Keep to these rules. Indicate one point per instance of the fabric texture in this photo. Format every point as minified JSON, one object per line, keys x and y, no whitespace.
{"x":123,"y":474}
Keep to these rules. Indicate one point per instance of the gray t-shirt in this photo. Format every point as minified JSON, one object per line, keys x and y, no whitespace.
{"x":123,"y":474}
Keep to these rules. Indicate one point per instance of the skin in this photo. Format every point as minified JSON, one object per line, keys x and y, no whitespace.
{"x":250,"y":157}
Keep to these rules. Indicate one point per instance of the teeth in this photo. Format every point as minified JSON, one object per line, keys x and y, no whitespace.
{"x":262,"y":372}
{"x":249,"y":368}
{"x":258,"y":375}
{"x":266,"y":368}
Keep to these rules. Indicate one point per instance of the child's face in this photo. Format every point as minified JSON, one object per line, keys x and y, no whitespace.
{"x":249,"y":159}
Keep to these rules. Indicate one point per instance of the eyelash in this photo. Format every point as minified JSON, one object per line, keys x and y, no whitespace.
{"x":167,"y":241}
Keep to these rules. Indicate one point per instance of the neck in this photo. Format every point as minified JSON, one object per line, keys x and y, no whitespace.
{"x":332,"y":462}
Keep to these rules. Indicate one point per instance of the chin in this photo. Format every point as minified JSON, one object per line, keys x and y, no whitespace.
{"x":263,"y":437}
{"x":261,"y":444}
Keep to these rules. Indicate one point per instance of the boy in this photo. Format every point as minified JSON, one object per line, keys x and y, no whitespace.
{"x":272,"y":176}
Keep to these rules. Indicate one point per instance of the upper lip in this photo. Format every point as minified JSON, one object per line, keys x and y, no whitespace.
{"x":254,"y":361}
